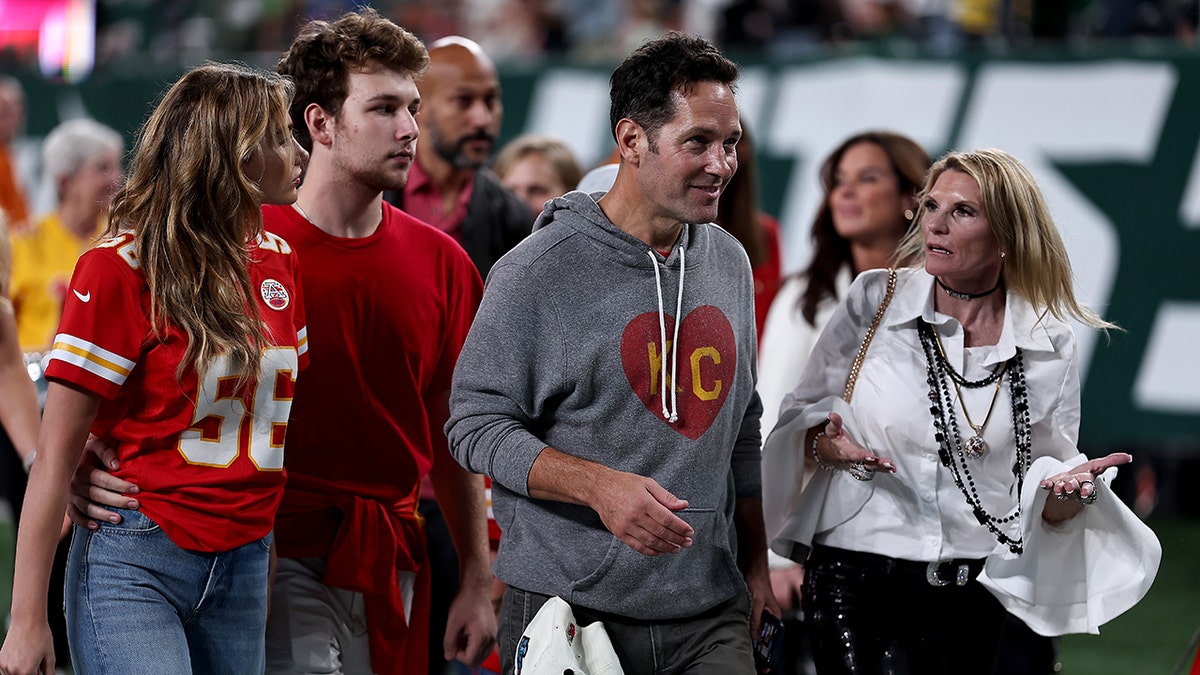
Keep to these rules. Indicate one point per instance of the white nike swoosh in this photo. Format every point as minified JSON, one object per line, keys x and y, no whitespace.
{"x":83,"y":297}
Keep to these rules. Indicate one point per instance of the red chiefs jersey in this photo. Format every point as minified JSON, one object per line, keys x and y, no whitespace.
{"x":208,"y":456}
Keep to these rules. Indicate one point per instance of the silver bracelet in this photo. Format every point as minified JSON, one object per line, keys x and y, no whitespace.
{"x":28,"y":462}
{"x":817,"y":456}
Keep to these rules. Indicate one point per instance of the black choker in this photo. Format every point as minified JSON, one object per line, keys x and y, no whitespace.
{"x":967,"y":296}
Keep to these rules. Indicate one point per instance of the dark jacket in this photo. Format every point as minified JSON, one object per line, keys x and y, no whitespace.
{"x":496,"y":220}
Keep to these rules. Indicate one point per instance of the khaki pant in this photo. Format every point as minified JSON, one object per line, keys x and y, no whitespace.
{"x":314,"y":629}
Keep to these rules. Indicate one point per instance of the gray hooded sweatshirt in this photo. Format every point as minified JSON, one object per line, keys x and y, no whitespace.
{"x":567,"y":351}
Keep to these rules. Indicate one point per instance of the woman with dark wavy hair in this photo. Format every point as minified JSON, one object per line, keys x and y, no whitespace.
{"x":870,"y":183}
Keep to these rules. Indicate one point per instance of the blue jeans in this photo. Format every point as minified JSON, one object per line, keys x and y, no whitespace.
{"x":137,"y":603}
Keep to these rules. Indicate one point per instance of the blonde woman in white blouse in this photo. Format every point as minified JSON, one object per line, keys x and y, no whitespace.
{"x":928,"y":524}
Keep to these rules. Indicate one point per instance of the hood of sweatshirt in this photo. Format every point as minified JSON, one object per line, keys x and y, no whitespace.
{"x":582,"y":212}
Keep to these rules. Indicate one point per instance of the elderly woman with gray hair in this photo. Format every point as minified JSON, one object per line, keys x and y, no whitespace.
{"x":82,"y":160}
{"x":942,"y":401}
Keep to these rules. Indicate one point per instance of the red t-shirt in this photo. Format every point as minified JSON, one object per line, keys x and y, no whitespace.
{"x":208,"y":459}
{"x":388,"y":315}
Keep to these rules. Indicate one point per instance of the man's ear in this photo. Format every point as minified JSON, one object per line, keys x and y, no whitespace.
{"x":631,"y":141}
{"x":320,"y":124}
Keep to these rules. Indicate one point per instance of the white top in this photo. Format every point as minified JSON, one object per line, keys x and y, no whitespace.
{"x":787,"y":341}
{"x":919,"y":513}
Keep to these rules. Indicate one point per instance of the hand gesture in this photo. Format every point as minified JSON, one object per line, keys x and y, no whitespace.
{"x":1080,"y":481}
{"x":639,"y":512}
{"x":833,"y":449}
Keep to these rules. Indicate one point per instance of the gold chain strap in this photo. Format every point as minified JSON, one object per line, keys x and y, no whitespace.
{"x":862,"y":349}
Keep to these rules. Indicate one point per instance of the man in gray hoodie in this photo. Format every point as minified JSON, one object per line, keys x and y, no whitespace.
{"x":607,"y":388}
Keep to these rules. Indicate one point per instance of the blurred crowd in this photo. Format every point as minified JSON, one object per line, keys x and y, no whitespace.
{"x":870,"y":186}
{"x":133,"y":33}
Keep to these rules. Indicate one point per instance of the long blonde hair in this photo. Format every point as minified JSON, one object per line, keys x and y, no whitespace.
{"x":196,"y":213}
{"x":1036,"y":264}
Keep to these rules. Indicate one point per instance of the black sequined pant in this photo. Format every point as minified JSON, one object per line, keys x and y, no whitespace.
{"x":871,"y":614}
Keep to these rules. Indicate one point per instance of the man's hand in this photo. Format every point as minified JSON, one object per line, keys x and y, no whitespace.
{"x":752,"y":560}
{"x":639,"y":512}
{"x":93,"y":488}
{"x":636,"y":509}
{"x":470,"y":625}
{"x":758,"y":578}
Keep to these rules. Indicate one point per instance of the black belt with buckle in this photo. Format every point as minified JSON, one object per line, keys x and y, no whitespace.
{"x":957,"y":571}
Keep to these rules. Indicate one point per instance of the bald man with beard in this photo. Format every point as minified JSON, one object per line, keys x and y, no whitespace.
{"x":449,"y":186}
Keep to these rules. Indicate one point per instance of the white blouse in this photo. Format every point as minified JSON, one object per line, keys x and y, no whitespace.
{"x":919,"y":513}
{"x":787,"y":341}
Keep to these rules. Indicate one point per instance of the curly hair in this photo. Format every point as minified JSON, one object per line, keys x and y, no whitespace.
{"x":642,"y":87}
{"x":1036,"y":265}
{"x":194,"y":210}
{"x":323,"y":55}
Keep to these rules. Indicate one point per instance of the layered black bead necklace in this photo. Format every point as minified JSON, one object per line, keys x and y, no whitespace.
{"x":956,"y":455}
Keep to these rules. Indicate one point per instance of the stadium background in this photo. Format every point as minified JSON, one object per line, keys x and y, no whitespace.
{"x":1111,"y":130}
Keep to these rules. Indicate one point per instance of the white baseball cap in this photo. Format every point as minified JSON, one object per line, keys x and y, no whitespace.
{"x":555,"y":644}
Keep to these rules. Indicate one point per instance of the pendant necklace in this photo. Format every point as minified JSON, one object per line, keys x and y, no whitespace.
{"x":951,"y":448}
{"x":975,"y":446}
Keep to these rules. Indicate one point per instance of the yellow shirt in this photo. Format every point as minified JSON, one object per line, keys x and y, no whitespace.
{"x":43,"y":258}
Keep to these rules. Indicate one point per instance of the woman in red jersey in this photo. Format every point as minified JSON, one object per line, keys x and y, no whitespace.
{"x":181,"y":337}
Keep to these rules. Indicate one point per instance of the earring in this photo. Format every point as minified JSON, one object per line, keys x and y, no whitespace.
{"x":909,"y":215}
{"x":1002,"y":255}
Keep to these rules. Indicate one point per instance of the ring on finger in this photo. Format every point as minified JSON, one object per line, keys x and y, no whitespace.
{"x":860,"y":471}
{"x":1091,"y":498}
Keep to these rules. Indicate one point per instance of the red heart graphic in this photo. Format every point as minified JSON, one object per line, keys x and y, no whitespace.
{"x":707,"y":363}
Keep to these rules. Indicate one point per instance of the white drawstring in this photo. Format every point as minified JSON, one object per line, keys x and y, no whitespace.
{"x":671,"y":415}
